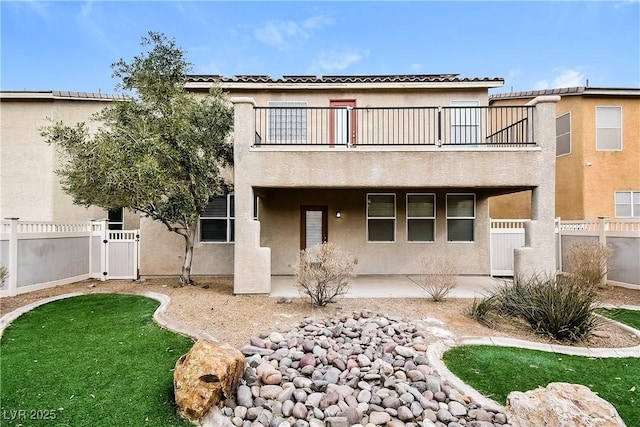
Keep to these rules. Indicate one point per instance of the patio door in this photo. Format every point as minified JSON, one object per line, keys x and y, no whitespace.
{"x":313,"y":226}
{"x":342,"y":122}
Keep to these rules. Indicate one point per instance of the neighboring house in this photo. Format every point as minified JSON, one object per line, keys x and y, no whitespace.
{"x":29,"y":188}
{"x":598,"y":154}
{"x":392,"y":168}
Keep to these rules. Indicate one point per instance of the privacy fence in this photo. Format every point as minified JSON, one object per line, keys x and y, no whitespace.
{"x":622,"y":235}
{"x":39,"y":255}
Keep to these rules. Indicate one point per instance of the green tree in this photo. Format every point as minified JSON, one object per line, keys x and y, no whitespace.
{"x":158,"y":149}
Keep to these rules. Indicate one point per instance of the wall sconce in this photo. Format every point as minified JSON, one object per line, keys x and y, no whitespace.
{"x":338,"y":214}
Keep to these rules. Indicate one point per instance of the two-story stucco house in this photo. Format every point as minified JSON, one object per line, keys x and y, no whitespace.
{"x":598,"y":154}
{"x":392,"y":168}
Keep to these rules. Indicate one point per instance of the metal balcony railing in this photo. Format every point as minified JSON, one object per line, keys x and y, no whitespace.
{"x":383,"y":126}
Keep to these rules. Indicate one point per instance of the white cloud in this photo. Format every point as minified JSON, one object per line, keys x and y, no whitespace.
{"x":564,"y":77}
{"x":336,"y":60}
{"x":416,"y":68}
{"x":280,"y":34}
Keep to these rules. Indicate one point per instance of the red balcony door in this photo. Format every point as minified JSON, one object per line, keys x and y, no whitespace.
{"x":342,"y":122}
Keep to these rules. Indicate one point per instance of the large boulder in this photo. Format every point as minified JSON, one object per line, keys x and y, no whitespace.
{"x":560,"y":405}
{"x":205,"y":376}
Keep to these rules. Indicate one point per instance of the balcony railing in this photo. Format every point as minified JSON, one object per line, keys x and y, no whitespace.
{"x":382,"y":126}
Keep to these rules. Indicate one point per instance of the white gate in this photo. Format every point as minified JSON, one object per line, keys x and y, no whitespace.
{"x":506,"y":235}
{"x":121,"y":254}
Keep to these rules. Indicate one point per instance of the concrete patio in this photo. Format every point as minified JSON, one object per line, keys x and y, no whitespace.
{"x":390,"y":286}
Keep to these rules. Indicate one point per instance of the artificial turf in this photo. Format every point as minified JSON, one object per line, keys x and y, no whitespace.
{"x":622,"y":315}
{"x":497,"y":371}
{"x":92,"y":360}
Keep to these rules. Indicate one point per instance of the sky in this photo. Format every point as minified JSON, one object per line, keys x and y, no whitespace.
{"x":71,"y":45}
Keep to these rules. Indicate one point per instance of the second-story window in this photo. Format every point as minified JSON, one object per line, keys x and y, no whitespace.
{"x":627,"y":204}
{"x":381,"y":217}
{"x":609,"y":128}
{"x":217,"y":220}
{"x":287,"y":121}
{"x":563,"y":134}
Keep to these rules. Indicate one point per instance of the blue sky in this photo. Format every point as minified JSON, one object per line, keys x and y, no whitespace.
{"x":532,"y":45}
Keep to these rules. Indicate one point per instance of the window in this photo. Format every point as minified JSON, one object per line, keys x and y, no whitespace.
{"x":381,"y":217}
{"x":627,"y":204}
{"x":216,"y":221}
{"x":116,"y":219}
{"x":563,"y":135}
{"x":461,"y":215}
{"x":287,"y":121}
{"x":421,"y":217}
{"x":608,"y":128}
{"x":465,"y":122}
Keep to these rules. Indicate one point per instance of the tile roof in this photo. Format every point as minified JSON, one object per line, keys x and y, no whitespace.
{"x":307,"y":79}
{"x":57,"y":94}
{"x":568,"y":91}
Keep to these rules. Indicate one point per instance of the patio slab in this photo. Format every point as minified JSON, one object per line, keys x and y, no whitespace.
{"x":389,"y":286}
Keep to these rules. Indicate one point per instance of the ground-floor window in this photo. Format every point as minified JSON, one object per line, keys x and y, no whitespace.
{"x":627,"y":204}
{"x":381,"y":217}
{"x":461,"y":215}
{"x":217,"y":220}
{"x":116,"y":219}
{"x":421,"y":217}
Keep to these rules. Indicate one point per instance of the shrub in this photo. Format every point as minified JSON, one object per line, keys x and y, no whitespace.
{"x":437,"y":277}
{"x":324,"y":272}
{"x":561,"y":308}
{"x":587,"y":263}
{"x":481,"y":309}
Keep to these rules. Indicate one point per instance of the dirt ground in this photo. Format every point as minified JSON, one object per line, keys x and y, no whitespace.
{"x":211,"y":306}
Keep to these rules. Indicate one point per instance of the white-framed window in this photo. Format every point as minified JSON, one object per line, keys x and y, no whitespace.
{"x":627,"y":204}
{"x":421,"y":217}
{"x":563,"y":134}
{"x":217,"y":220}
{"x":287,"y":121}
{"x":608,"y":128}
{"x":465,"y":122}
{"x":116,"y":219}
{"x":381,"y":217}
{"x":461,"y":217}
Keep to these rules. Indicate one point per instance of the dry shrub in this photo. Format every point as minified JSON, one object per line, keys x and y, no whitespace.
{"x":4,"y":273}
{"x":437,"y":277}
{"x":587,"y":263}
{"x":324,"y":272}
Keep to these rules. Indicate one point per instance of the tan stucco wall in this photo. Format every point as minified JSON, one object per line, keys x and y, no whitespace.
{"x":29,"y":188}
{"x":280,"y":224}
{"x":582,"y":191}
{"x":162,"y":253}
{"x":610,"y":170}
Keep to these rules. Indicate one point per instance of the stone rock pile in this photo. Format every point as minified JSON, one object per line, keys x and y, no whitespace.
{"x":361,"y":370}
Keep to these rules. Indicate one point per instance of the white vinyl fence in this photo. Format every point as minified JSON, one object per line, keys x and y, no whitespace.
{"x":622,"y":235}
{"x":39,"y":255}
{"x":506,"y":235}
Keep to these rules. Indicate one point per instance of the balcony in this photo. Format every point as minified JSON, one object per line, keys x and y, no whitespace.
{"x":299,"y":125}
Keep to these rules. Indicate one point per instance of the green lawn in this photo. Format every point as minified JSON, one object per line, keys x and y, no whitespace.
{"x":628,"y":317}
{"x":496,"y":371}
{"x":93,"y":360}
